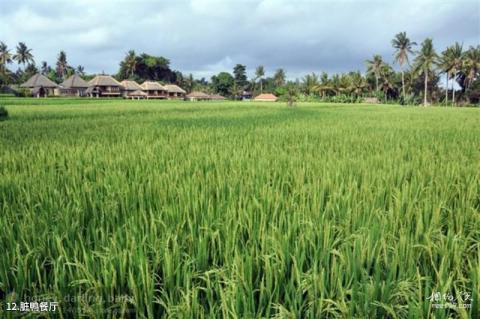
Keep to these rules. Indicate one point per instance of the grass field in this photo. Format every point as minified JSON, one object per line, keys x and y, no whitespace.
{"x":239,"y":210}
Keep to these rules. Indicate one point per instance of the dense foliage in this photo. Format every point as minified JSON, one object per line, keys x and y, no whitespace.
{"x":239,"y":210}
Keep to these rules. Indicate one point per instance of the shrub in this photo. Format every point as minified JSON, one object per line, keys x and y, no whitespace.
{"x":3,"y":113}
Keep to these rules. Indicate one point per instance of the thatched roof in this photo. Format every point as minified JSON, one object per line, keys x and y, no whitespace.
{"x":198,"y":95}
{"x":152,"y":86}
{"x":75,"y":81}
{"x":174,"y":88}
{"x":137,"y":93}
{"x":130,"y":85}
{"x":266,"y":97}
{"x":103,"y":80}
{"x":217,"y":97}
{"x":39,"y":80}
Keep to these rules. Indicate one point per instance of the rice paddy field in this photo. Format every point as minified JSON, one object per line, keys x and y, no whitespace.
{"x":163,"y":209}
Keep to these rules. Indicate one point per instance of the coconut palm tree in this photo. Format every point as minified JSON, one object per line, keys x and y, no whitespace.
{"x":279,"y":78}
{"x":24,"y":54}
{"x":80,"y":70}
{"x":403,"y":46}
{"x":452,"y":62}
{"x":425,"y":62}
{"x":5,"y":55}
{"x":130,"y":63}
{"x":62,"y":64}
{"x":374,"y":67}
{"x":471,"y":65}
{"x":310,"y":83}
{"x":259,"y":74}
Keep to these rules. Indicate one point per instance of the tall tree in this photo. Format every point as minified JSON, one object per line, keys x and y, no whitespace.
{"x":62,"y":64}
{"x":240,"y":76}
{"x":259,"y":74}
{"x":44,"y":68}
{"x":471,"y":65}
{"x":374,"y":67}
{"x":451,"y":63}
{"x":223,"y":83}
{"x":279,"y":78}
{"x":425,"y":62}
{"x":23,"y":55}
{"x":130,"y":63}
{"x":80,"y":70}
{"x":5,"y":56}
{"x":403,"y":46}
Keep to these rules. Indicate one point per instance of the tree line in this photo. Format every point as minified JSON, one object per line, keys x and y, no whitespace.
{"x":416,"y":82}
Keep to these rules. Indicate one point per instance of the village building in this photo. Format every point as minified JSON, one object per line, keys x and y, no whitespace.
{"x":129,"y":87}
{"x":138,"y":94}
{"x":174,"y":91}
{"x":265,"y":97}
{"x":197,"y":96}
{"x":104,"y":86}
{"x":74,"y":86}
{"x":40,"y":86}
{"x":154,"y":90}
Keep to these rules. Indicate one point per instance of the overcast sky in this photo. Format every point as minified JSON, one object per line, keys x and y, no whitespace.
{"x":205,"y":37}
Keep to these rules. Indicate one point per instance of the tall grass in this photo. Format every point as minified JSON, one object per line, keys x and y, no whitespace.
{"x":239,"y":210}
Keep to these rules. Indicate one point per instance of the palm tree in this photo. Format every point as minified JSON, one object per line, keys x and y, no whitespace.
{"x":44,"y":68}
{"x":425,"y":63}
{"x":471,"y":65}
{"x":310,"y":83}
{"x":5,"y":55}
{"x":374,"y":67}
{"x":259,"y":73}
{"x":357,"y":84}
{"x":62,"y":64}
{"x":80,"y":70}
{"x":130,"y":63}
{"x":451,"y":62}
{"x":24,"y":54}
{"x":279,"y":78}
{"x":403,"y":47}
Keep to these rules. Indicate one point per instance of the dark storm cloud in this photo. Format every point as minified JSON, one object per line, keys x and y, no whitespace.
{"x":208,"y":36}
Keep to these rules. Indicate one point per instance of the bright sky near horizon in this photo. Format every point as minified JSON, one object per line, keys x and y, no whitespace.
{"x":205,"y":37}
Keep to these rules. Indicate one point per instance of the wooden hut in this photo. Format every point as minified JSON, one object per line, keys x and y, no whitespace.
{"x":130,"y":87}
{"x":154,"y":90}
{"x":74,"y":86}
{"x":197,"y":96}
{"x":175,"y":92}
{"x":104,"y":86}
{"x":40,"y":86}
{"x":266,"y":97}
{"x":138,"y":94}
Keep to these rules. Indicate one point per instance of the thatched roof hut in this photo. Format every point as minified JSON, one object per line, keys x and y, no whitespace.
{"x":197,"y":95}
{"x":74,"y":82}
{"x":104,"y":80}
{"x":39,"y":80}
{"x":266,"y":97}
{"x":172,"y":88}
{"x":152,"y":86}
{"x":104,"y":85}
{"x":129,"y":85}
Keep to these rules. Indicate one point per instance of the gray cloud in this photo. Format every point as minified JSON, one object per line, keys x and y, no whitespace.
{"x":208,"y":36}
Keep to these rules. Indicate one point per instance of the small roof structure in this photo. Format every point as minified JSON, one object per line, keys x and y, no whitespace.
{"x":131,"y":85}
{"x":266,"y":97}
{"x":75,"y":81}
{"x":137,"y":93}
{"x":103,"y":80}
{"x":174,"y":88}
{"x":39,"y":80}
{"x":217,"y":97}
{"x":198,"y":95}
{"x":152,"y":86}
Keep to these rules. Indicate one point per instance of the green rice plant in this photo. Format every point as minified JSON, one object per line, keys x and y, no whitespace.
{"x":169,"y":209}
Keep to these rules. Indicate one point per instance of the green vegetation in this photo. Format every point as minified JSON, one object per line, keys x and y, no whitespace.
{"x":248,"y":210}
{"x":3,"y":113}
